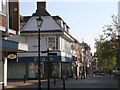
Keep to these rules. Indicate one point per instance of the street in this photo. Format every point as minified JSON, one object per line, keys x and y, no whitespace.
{"x":96,"y":82}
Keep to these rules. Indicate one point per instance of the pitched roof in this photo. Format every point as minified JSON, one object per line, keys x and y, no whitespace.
{"x":41,"y":12}
{"x":59,"y":18}
{"x":23,"y":20}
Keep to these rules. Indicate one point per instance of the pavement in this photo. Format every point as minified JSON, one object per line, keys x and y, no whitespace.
{"x":93,"y":83}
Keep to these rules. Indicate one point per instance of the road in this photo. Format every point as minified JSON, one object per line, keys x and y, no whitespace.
{"x":91,"y":83}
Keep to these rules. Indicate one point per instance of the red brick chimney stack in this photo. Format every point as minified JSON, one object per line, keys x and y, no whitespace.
{"x":41,"y":5}
{"x":41,"y":9}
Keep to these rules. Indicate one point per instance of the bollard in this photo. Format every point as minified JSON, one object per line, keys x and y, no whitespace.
{"x":118,"y":77}
{"x":24,"y":78}
{"x":76,"y":77}
{"x":66,"y":78}
{"x":54,"y":81}
{"x":63,"y":83}
{"x":3,"y":87}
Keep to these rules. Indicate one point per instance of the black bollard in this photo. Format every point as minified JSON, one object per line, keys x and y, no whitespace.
{"x":118,"y":77}
{"x":24,"y":78}
{"x":76,"y":76}
{"x":3,"y":86}
{"x":63,"y":83}
{"x":54,"y":81}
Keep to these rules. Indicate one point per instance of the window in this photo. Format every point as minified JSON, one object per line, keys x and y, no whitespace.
{"x":53,"y":43}
{"x":4,"y":6}
{"x":0,"y":5}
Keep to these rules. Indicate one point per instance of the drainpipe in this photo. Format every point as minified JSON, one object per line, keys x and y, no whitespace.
{"x":5,"y":71}
{"x":7,"y":16}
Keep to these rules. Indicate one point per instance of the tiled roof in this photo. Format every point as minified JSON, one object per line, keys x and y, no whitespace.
{"x":41,"y":12}
{"x":59,"y":18}
{"x":23,"y":20}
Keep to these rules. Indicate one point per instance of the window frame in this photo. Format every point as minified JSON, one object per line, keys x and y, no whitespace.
{"x":55,"y":42}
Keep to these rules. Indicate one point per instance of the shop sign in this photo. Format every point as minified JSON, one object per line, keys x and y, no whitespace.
{"x":11,"y":56}
{"x":45,"y":59}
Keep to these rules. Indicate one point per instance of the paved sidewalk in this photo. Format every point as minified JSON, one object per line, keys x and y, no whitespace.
{"x":21,"y":84}
{"x":91,"y":82}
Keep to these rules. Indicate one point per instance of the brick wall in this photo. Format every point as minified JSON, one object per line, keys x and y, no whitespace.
{"x":2,"y":20}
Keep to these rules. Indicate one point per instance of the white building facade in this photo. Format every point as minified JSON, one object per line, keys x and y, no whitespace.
{"x":54,"y":34}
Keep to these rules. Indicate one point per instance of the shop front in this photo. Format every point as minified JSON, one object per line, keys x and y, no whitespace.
{"x":28,"y":66}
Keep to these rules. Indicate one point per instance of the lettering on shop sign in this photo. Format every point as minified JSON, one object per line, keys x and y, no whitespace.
{"x":42,"y":59}
{"x":45,"y":59}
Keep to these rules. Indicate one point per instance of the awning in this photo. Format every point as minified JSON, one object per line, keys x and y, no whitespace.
{"x":11,"y":46}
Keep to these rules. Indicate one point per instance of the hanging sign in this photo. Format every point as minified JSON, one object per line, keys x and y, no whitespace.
{"x":11,"y":56}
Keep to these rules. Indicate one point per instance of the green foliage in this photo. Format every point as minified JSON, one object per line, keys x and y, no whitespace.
{"x":106,"y":52}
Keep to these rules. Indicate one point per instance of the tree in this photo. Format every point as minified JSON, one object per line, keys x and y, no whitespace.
{"x":106,"y":52}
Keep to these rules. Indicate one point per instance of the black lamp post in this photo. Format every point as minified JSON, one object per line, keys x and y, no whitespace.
{"x":48,"y":69}
{"x":39,"y":23}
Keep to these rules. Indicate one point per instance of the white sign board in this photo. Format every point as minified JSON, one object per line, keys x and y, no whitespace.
{"x":11,"y":56}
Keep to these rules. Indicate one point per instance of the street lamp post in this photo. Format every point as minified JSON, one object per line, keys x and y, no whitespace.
{"x":39,"y":23}
{"x":48,"y":69}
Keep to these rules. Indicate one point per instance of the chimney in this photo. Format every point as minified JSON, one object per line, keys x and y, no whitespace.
{"x":41,"y":5}
{"x":41,"y":9}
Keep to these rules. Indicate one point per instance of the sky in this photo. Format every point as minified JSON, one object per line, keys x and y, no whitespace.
{"x":86,"y":18}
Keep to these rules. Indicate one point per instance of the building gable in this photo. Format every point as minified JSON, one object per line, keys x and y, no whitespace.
{"x":48,"y":24}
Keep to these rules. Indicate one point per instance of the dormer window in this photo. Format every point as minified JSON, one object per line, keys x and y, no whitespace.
{"x":61,"y":24}
{"x":65,"y":27}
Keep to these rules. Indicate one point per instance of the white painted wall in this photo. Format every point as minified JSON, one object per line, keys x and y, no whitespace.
{"x":65,"y":54}
{"x":32,"y":42}
{"x":43,"y":44}
{"x":31,"y":71}
{"x":65,"y":45}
